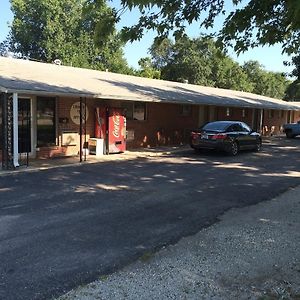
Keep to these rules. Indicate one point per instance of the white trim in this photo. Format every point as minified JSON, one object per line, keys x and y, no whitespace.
{"x":261,"y":120}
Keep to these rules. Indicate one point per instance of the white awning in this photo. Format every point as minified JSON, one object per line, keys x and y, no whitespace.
{"x":34,"y":78}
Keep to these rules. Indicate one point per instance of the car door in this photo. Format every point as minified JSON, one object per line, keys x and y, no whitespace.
{"x":249,"y":138}
{"x":236,"y":132}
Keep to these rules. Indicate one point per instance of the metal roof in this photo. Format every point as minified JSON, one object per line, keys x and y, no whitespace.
{"x":35,"y":78}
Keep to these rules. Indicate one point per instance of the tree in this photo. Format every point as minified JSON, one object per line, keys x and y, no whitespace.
{"x":67,"y":30}
{"x":189,"y":59}
{"x":293,"y":90}
{"x":296,"y":63}
{"x":147,"y":69}
{"x":266,"y":83}
{"x":199,"y":61}
{"x":229,"y":75}
{"x":161,"y":52}
{"x":4,"y":48}
{"x":251,"y":23}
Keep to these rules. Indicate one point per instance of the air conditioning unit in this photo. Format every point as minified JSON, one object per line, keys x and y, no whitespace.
{"x":96,"y":147}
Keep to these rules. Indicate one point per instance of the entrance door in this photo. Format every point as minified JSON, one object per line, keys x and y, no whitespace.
{"x":256,"y":120}
{"x":203,"y":115}
{"x":24,"y":125}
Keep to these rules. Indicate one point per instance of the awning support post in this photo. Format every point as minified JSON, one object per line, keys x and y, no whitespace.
{"x":85,"y":142}
{"x":80,"y":130}
{"x":15,"y":131}
{"x":7,"y":130}
{"x":261,"y":121}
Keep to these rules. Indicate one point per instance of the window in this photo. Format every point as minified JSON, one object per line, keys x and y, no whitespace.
{"x":46,"y":121}
{"x":234,"y":128}
{"x":271,"y":114}
{"x":186,"y":110}
{"x":218,"y":126}
{"x":135,"y":110}
{"x":228,"y":112}
{"x":244,"y":112}
{"x":245,"y":127}
{"x":139,"y":111}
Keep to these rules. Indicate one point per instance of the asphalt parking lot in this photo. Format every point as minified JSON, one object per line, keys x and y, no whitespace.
{"x":64,"y":227}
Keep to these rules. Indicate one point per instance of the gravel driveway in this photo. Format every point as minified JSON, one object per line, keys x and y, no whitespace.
{"x":251,"y":253}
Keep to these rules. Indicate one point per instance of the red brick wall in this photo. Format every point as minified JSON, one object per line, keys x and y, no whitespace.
{"x":296,"y":116}
{"x":164,"y":125}
{"x":63,"y":110}
{"x":236,"y":114}
{"x":273,"y":121}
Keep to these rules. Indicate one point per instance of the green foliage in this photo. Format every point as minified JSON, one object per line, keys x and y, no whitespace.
{"x":296,"y":63}
{"x":229,"y":75}
{"x":264,"y":23}
{"x":293,"y":91}
{"x":199,"y":61}
{"x":251,"y":23}
{"x":79,"y":33}
{"x":266,"y":83}
{"x":161,"y":52}
{"x":4,"y":48}
{"x":147,"y":69}
{"x":202,"y":62}
{"x":189,"y":62}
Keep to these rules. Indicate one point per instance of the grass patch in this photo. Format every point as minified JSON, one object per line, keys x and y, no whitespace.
{"x":146,"y":256}
{"x":103,"y":277}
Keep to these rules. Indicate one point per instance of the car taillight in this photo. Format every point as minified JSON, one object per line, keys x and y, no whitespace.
{"x":219,"y":136}
{"x":194,"y":135}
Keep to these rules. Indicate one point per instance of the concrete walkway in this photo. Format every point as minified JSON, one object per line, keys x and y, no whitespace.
{"x":44,"y":164}
{"x":252,"y":253}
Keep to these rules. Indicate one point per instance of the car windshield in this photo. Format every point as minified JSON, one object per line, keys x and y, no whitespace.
{"x":216,"y":126}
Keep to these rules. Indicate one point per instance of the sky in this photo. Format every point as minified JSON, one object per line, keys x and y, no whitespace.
{"x":269,"y":57}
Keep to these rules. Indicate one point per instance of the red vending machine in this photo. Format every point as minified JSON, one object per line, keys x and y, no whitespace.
{"x":111,"y":126}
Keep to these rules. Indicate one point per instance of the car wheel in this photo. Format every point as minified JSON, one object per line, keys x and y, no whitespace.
{"x":234,"y":148}
{"x":258,"y":146}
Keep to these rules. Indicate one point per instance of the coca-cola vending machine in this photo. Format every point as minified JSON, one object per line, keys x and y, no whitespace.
{"x":110,"y":125}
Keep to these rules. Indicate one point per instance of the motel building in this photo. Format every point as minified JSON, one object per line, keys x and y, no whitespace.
{"x":49,"y":110}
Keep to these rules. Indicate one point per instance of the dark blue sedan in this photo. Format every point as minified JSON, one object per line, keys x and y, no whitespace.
{"x":228,"y":136}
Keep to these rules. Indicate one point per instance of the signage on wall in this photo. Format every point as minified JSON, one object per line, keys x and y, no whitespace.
{"x":75,"y":112}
